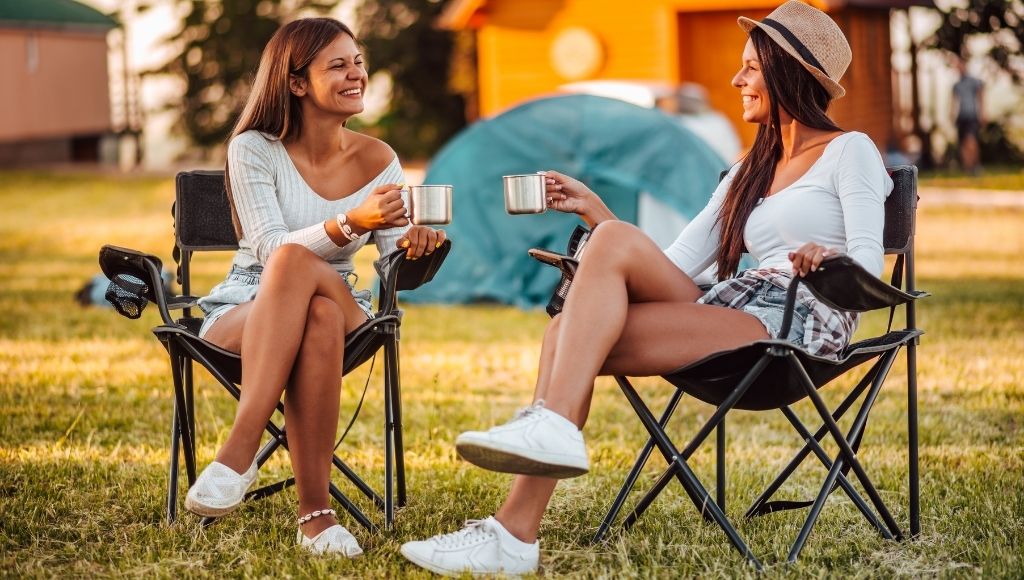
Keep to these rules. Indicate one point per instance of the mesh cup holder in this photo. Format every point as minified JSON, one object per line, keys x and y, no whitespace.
{"x":126,"y":293}
{"x":558,"y":296}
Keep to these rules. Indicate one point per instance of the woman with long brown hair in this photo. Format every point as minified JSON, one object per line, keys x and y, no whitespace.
{"x":805,"y":190}
{"x":306,"y":194}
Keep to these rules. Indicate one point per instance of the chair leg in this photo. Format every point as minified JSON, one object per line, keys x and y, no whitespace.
{"x":912,"y":444}
{"x":843,"y":482}
{"x":190,"y":412}
{"x":358,"y":482}
{"x":396,"y":406}
{"x":172,"y":476}
{"x":389,"y":440}
{"x":755,"y":508}
{"x":181,"y":409}
{"x":352,"y":509}
{"x":844,"y":446}
{"x":686,"y":477}
{"x":645,"y":502}
{"x":634,"y":473}
{"x":720,"y":464}
{"x":279,"y":439}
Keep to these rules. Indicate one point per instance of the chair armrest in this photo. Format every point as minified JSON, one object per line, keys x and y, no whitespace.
{"x":398,"y":273}
{"x":841,"y":283}
{"x":138,"y":275}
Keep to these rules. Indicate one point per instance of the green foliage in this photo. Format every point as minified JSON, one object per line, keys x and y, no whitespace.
{"x":402,"y":40}
{"x":1001,"y":20}
{"x":219,"y":46}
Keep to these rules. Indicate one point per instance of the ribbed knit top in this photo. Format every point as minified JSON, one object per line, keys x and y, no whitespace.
{"x":838,"y":203}
{"x":276,"y":206}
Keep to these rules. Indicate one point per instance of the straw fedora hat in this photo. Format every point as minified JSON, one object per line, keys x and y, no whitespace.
{"x":811,"y":37}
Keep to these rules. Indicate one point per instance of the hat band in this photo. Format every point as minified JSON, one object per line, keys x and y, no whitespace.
{"x":795,"y":43}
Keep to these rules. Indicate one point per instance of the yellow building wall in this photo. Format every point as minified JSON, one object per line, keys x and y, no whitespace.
{"x":639,"y":39}
{"x":514,"y":45}
{"x":668,"y":41}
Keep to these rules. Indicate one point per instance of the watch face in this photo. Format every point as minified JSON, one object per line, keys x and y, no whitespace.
{"x":576,"y":54}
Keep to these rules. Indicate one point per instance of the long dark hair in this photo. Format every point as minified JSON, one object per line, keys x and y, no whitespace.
{"x":271,"y":106}
{"x":793,"y":88}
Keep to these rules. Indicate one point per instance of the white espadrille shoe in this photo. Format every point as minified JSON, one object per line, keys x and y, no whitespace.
{"x":334,"y":540}
{"x":219,"y":490}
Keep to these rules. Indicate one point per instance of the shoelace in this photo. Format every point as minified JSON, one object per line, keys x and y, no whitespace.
{"x":474,"y":531}
{"x":529,"y":411}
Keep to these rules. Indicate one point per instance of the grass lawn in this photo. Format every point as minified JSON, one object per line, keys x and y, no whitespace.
{"x":1004,"y":177}
{"x":86,"y":402}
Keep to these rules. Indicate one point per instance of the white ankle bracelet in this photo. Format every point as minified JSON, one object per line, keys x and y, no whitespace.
{"x":316,"y":514}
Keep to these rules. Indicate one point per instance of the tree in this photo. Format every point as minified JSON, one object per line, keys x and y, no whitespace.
{"x":402,"y":41}
{"x":219,"y":47}
{"x":1002,"y":21}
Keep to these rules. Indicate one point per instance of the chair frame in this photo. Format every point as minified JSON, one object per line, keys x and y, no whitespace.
{"x":179,"y":337}
{"x":776,"y":352}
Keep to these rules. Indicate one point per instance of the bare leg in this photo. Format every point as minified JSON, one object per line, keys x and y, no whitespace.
{"x":311,"y":408}
{"x":629,"y":312}
{"x":292,"y":333}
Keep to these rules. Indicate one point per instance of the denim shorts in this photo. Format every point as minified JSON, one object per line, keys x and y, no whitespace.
{"x":769,"y":306}
{"x":766,"y":302}
{"x":241,"y":286}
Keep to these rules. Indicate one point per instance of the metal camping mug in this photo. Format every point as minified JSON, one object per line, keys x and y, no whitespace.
{"x":430,"y":204}
{"x":525,"y":193}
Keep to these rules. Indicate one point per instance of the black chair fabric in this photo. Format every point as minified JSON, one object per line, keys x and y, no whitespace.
{"x":202,"y":214}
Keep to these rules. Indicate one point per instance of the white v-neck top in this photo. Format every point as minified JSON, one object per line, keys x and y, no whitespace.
{"x":276,"y":206}
{"x":838,"y":203}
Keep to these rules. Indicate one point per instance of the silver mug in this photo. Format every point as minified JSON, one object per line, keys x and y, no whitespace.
{"x":525,"y":194}
{"x":430,"y":204}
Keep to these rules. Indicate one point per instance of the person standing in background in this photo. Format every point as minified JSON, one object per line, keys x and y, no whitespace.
{"x":969,"y":115}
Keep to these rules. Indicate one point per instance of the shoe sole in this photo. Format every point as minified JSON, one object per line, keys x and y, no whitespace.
{"x":509,"y":461}
{"x":207,"y":511}
{"x":428,"y":565}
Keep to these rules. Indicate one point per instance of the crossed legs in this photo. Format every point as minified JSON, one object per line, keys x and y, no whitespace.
{"x":292,"y":334}
{"x":630,"y":312}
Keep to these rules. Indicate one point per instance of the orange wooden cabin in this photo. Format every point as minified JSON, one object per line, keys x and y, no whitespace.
{"x":528,"y":48}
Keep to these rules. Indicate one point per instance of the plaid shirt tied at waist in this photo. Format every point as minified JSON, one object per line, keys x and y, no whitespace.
{"x":826,"y":332}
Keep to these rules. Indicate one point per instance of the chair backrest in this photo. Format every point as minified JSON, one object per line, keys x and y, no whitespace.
{"x":202,"y":213}
{"x":900,"y":210}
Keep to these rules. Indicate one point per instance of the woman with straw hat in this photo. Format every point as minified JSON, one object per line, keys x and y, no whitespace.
{"x":806,"y":190}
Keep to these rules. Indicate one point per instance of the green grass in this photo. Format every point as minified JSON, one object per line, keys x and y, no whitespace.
{"x":86,"y":403}
{"x":1006,"y":177}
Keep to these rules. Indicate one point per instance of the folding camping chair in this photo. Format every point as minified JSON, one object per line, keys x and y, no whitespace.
{"x":774,"y":374}
{"x":202,"y":217}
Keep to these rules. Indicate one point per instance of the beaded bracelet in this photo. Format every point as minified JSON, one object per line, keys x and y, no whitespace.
{"x":346,"y":230}
{"x":316,"y":514}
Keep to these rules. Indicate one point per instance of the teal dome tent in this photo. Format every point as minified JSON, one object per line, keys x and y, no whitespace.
{"x":619,"y":150}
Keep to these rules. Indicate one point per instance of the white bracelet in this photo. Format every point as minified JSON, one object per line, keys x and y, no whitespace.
{"x":346,"y":230}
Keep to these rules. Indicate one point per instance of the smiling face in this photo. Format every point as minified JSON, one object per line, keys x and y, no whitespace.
{"x":336,"y":79}
{"x":753,"y":89}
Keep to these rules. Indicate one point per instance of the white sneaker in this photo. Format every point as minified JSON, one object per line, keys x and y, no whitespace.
{"x":219,"y":490}
{"x":482,"y":547}
{"x":537,"y":441}
{"x":334,"y":540}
